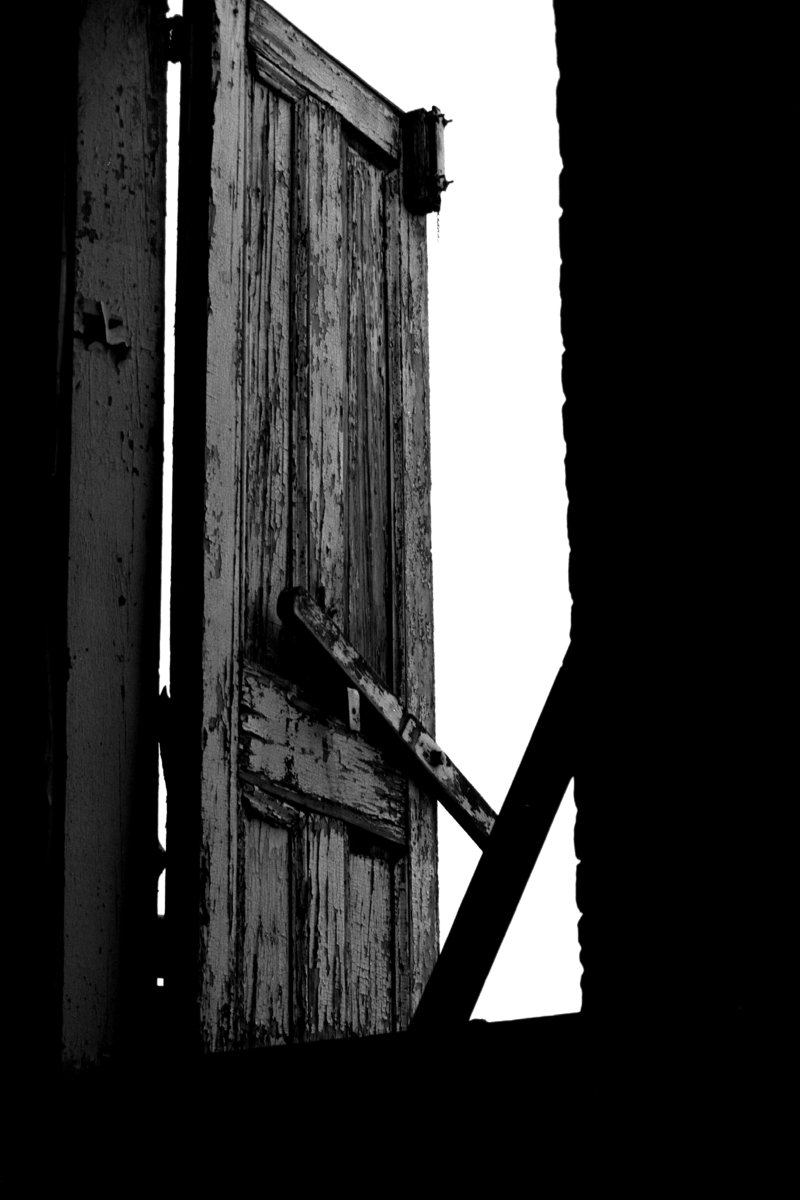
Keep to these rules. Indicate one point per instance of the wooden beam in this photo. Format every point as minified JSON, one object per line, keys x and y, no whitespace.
{"x":505,"y":866}
{"x":113,"y":390}
{"x":441,"y":776}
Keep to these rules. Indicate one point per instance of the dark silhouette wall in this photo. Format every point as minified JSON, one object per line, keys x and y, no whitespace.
{"x":675,"y":237}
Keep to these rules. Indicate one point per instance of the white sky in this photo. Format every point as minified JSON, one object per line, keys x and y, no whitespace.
{"x":501,"y":600}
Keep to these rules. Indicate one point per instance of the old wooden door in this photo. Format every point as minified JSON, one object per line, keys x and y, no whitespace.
{"x":302,"y":894}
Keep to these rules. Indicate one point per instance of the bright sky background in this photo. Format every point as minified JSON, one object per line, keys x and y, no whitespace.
{"x":501,"y":600}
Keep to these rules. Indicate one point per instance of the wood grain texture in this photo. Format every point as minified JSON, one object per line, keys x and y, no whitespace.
{"x":205,"y":832}
{"x":320,"y":868}
{"x":114,"y":526}
{"x":396,"y":598}
{"x":367,"y":485}
{"x":268,"y":336}
{"x":267,"y":941}
{"x":311,"y":407}
{"x":369,"y":960}
{"x":403,"y":973}
{"x":299,"y":570}
{"x":326,"y":316}
{"x":418,"y":583}
{"x":342,"y":950}
{"x":314,"y":759}
{"x":275,"y":42}
{"x":416,"y":473}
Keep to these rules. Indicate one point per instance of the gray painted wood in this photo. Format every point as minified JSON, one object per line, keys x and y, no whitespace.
{"x":274,"y":42}
{"x":114,"y":528}
{"x":315,"y":869}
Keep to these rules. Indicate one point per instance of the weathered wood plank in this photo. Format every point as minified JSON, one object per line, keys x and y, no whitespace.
{"x":274,"y":41}
{"x":320,"y":869}
{"x":326,"y":317}
{"x":368,"y":505}
{"x":303,"y":410}
{"x":417,"y":568}
{"x":370,"y":959}
{"x":402,"y":944}
{"x":266,"y":949}
{"x":299,"y":566}
{"x":267,"y":384}
{"x":452,"y":788}
{"x":423,"y":890}
{"x":277,"y":810}
{"x":285,"y":743}
{"x":207,"y":531}
{"x":222,"y":572}
{"x":396,"y":599}
{"x":114,"y":506}
{"x":417,"y":573}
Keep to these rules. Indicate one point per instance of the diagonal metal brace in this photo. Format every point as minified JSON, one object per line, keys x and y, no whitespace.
{"x":505,"y":866}
{"x":442,"y":777}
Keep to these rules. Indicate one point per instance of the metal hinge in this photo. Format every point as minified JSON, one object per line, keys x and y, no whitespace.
{"x":423,"y":160}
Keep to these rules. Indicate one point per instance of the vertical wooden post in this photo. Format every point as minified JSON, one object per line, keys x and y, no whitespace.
{"x":116,"y":313}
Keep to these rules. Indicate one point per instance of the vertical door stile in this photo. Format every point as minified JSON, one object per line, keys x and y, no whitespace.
{"x":266,"y":975}
{"x":327,"y":354}
{"x":301,"y":364}
{"x":418,"y":587}
{"x":320,"y":935}
{"x":266,"y":833}
{"x":219,"y":850}
{"x":395,"y":439}
{"x":401,"y":944}
{"x":370,"y":969}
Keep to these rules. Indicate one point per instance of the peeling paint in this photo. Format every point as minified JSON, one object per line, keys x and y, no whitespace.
{"x":310,"y":441}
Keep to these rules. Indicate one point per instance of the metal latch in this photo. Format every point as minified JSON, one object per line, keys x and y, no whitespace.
{"x":464,"y":803}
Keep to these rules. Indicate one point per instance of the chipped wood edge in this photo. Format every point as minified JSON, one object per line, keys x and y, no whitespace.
{"x":278,"y":44}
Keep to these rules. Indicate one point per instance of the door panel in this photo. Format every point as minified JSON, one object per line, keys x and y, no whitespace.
{"x":269,"y":272}
{"x":317,"y":856}
{"x":267,"y":942}
{"x":367,"y":613}
{"x":318,"y":403}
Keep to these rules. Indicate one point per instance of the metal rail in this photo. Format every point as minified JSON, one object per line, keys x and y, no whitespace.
{"x":442,"y":777}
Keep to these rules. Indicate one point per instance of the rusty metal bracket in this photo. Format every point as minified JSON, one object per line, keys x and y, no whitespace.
{"x":441,"y":776}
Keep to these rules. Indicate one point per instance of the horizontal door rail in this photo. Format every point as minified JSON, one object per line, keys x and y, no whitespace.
{"x":442,"y":777}
{"x":505,"y":866}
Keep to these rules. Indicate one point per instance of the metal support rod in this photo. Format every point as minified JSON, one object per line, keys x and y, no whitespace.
{"x":441,"y":776}
{"x":505,"y":866}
